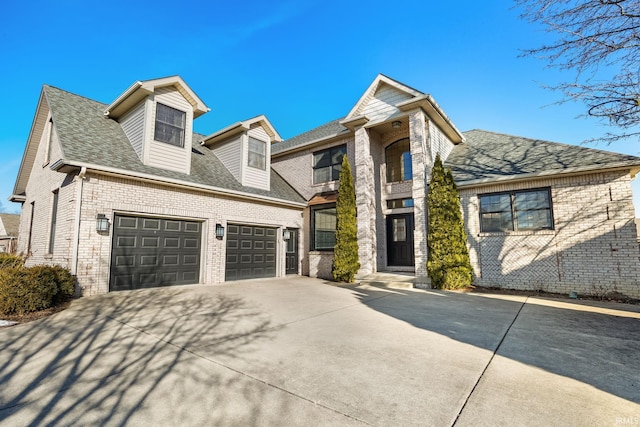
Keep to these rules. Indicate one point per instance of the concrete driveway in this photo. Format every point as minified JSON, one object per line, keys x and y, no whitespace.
{"x":298,"y":351}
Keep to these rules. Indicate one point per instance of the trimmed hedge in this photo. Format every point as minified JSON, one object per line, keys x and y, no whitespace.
{"x":10,"y":260}
{"x":27,"y":289}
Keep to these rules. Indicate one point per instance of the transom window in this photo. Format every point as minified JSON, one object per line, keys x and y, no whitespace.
{"x":516,"y":210}
{"x":399,"y":203}
{"x":398,"y":159}
{"x":257,"y":153}
{"x":323,"y":228}
{"x":170,"y":125}
{"x":327,"y":164}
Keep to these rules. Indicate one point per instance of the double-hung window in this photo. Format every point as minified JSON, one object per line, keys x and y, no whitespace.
{"x":327,"y":164}
{"x":257,"y":153}
{"x":323,"y":227}
{"x":170,"y":125}
{"x":516,"y":211}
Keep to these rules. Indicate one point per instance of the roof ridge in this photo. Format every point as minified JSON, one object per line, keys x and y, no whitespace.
{"x":72,"y":93}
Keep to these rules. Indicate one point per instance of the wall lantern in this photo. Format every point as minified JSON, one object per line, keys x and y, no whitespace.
{"x":219,"y":231}
{"x":396,"y":124}
{"x":286,"y":234}
{"x":102,"y":223}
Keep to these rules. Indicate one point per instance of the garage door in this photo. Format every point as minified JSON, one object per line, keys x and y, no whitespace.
{"x":251,"y":252}
{"x":149,"y":252}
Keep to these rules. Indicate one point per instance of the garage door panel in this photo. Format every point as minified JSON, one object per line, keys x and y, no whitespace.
{"x":251,"y":252}
{"x":150,"y":252}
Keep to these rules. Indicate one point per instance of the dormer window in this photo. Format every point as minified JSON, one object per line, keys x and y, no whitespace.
{"x":257,"y":153}
{"x":170,"y":124}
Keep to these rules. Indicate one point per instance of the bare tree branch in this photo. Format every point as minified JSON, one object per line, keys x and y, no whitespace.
{"x":600,"y":41}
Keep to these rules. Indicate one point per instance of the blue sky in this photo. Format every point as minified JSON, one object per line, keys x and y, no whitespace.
{"x":301,"y":62}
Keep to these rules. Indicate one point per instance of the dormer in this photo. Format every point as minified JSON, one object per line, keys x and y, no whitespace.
{"x":245,"y":149}
{"x":157,"y":117}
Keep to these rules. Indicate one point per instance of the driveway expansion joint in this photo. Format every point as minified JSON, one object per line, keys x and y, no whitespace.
{"x":489,"y":362}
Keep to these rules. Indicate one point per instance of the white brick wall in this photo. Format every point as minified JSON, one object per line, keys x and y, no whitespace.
{"x":592,"y":250}
{"x":108,"y":195}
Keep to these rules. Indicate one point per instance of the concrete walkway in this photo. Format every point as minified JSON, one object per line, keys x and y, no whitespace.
{"x":301,"y":352}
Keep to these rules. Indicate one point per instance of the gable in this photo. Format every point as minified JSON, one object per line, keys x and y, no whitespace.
{"x":33,"y":142}
{"x":381,"y":97}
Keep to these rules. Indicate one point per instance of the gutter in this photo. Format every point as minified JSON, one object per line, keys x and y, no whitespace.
{"x":173,"y":182}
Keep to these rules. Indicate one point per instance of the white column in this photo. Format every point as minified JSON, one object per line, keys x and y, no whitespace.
{"x":421,"y":162}
{"x":365,"y":202}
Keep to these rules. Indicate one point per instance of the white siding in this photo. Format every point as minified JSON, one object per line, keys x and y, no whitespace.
{"x":254,"y":177}
{"x":230,"y":154}
{"x":167,"y":156}
{"x":383,"y":103}
{"x":132,"y":124}
{"x":440,"y":144}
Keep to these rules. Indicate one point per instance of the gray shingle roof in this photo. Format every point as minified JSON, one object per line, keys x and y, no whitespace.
{"x":11,"y":223}
{"x":87,"y":136}
{"x":333,"y":128}
{"x":490,"y":155}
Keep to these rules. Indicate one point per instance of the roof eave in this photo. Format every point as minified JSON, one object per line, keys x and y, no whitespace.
{"x":324,"y":140}
{"x":66,"y":165}
{"x":435,"y":113}
{"x":17,"y":198}
{"x":632,"y":167}
{"x":225,"y":133}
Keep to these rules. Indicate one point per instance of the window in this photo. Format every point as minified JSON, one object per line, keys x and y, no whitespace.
{"x":398,"y":158}
{"x":327,"y":164}
{"x":323,"y":228}
{"x":516,"y":210}
{"x":399,"y":203}
{"x":33,"y":212}
{"x":257,"y":153}
{"x":54,"y":218}
{"x":169,"y":125}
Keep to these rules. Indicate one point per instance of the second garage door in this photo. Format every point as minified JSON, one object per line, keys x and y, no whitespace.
{"x":251,"y":252}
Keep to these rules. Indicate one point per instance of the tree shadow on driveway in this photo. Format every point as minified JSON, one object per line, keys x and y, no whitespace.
{"x":107,"y":358}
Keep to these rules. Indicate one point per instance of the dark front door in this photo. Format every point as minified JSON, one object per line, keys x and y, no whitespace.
{"x":148,"y":252}
{"x":251,"y":252}
{"x":292,"y":252}
{"x":400,"y":240}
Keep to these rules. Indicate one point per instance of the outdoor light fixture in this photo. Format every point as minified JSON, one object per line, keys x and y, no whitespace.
{"x":102,"y":223}
{"x":219,"y":231}
{"x":396,"y":124}
{"x":286,"y":234}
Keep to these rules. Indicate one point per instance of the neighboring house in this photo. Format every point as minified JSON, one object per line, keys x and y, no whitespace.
{"x":241,"y":203}
{"x":9,"y":224}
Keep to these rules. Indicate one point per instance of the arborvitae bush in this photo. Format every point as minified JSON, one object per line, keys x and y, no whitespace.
{"x":448,"y":264}
{"x":27,"y":289}
{"x":345,"y":254}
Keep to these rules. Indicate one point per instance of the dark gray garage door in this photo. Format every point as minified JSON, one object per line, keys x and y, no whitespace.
{"x":150,"y":252}
{"x":251,"y":252}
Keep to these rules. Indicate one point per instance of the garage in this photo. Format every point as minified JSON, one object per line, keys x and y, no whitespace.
{"x":251,"y":252}
{"x":149,"y":252}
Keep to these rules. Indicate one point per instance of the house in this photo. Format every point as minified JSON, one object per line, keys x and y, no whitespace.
{"x":8,"y":232}
{"x":127,"y":195}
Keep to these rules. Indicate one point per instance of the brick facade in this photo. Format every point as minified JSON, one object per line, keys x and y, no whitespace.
{"x":592,"y":249}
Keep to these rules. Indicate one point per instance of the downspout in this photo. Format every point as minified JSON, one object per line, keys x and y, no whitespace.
{"x":76,"y":224}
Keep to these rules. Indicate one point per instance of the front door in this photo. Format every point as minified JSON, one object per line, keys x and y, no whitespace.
{"x":400,"y":240}
{"x":292,"y":252}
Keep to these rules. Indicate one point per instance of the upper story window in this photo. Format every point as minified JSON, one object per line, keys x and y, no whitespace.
{"x":327,"y":164}
{"x":516,"y":210}
{"x":257,"y":153}
{"x":399,"y":203}
{"x":170,"y":124}
{"x":398,"y":159}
